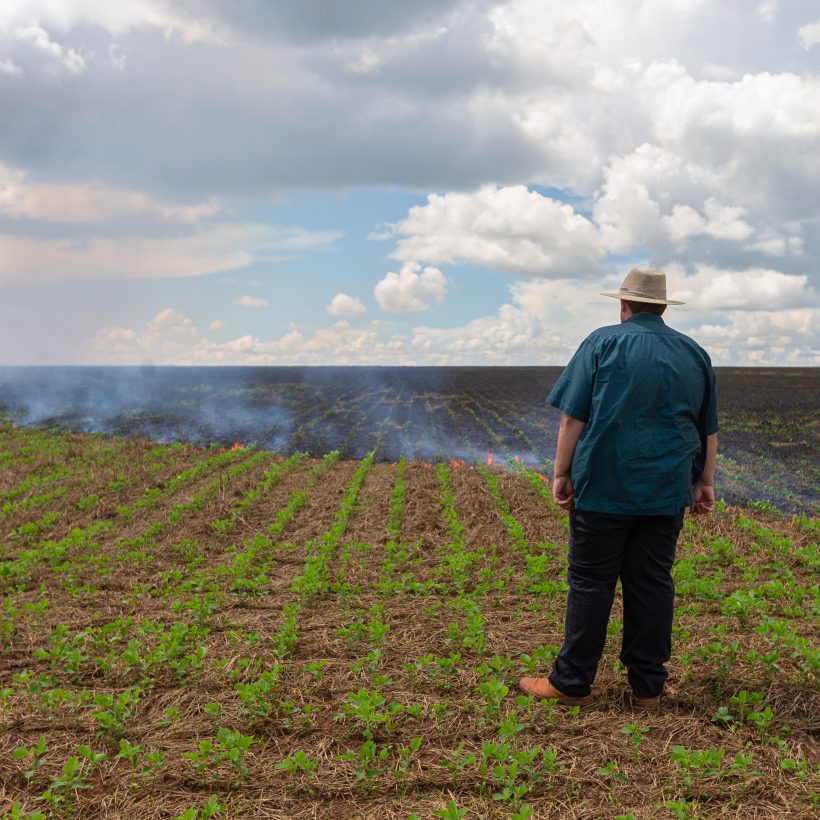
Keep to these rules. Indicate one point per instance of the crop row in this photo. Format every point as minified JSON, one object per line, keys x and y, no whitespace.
{"x":286,"y":636}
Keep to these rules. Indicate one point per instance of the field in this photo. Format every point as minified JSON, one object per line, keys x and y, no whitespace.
{"x":769,"y":419}
{"x":227,"y":632}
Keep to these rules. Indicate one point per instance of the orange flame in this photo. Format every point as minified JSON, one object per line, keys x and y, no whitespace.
{"x":490,"y":459}
{"x":457,"y":462}
{"x":543,"y":478}
{"x":237,"y":446}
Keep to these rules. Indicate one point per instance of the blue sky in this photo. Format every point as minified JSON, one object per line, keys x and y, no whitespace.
{"x":449,"y":182}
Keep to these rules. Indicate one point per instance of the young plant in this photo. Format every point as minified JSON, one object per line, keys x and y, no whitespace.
{"x":299,"y":762}
{"x":35,"y":753}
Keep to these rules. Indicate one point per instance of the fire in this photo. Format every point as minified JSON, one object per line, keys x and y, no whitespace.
{"x":457,"y":462}
{"x":543,"y":478}
{"x":490,"y":460}
{"x":237,"y":446}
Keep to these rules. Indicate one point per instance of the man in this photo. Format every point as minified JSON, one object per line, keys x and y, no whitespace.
{"x":636,"y":445}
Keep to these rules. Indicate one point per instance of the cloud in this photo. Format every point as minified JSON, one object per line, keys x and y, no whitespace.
{"x":217,"y":324}
{"x":170,"y":333}
{"x":675,"y":145}
{"x":172,"y":338}
{"x":219,"y":247}
{"x":654,"y":199}
{"x":10,"y":68}
{"x":511,"y":229}
{"x":251,"y":302}
{"x":543,"y":323}
{"x":312,"y":20}
{"x":57,"y":231}
{"x":21,"y":198}
{"x":809,"y":34}
{"x":445,"y":96}
{"x":787,"y":338}
{"x":118,"y":18}
{"x":72,"y":61}
{"x":767,"y":9}
{"x":343,"y":305}
{"x":759,"y":289}
{"x":411,"y":290}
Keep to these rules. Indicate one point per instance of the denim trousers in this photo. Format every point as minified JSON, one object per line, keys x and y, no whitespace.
{"x":640,"y":550}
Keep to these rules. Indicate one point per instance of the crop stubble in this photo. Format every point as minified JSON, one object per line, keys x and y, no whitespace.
{"x":357,"y":636}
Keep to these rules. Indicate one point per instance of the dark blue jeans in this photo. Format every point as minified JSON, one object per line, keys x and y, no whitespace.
{"x":640,"y":550}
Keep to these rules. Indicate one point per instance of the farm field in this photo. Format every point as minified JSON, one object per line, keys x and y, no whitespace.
{"x":769,"y":419}
{"x":228,"y":632}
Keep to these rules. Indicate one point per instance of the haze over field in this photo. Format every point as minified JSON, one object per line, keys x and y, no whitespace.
{"x":450,"y":182}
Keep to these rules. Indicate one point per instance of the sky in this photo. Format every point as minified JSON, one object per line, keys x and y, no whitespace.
{"x":436,"y":182}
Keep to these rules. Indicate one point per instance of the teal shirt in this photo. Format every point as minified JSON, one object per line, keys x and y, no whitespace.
{"x":647,"y":394}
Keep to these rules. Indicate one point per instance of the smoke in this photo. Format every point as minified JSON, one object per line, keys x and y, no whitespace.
{"x":425,"y":413}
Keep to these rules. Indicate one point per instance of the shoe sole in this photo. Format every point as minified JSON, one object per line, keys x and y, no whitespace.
{"x":565,"y":701}
{"x":648,"y":704}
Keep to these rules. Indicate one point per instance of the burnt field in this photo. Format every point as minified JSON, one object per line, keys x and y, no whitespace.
{"x":768,"y":439}
{"x":192,"y":633}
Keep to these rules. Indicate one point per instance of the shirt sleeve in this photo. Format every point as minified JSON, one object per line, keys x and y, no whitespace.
{"x":707,"y":419}
{"x":709,"y":414}
{"x":572,"y":393}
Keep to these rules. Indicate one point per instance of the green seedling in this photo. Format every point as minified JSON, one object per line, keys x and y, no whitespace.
{"x":172,"y":715}
{"x":451,"y":812}
{"x":405,"y":753}
{"x":370,"y":760}
{"x":112,"y":712}
{"x":316,"y":669}
{"x":17,"y":813}
{"x":637,"y":734}
{"x":799,"y":767}
{"x":299,"y":762}
{"x":211,"y":808}
{"x":34,"y":753}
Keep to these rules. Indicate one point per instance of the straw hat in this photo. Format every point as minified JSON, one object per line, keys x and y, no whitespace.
{"x":644,"y":286}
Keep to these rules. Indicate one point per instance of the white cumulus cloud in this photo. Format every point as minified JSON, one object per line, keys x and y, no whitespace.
{"x":72,"y":61}
{"x":411,"y":290}
{"x":712,"y":289}
{"x":251,"y":302}
{"x":809,"y":34}
{"x":344,"y":305}
{"x":508,"y":228}
{"x":9,"y":67}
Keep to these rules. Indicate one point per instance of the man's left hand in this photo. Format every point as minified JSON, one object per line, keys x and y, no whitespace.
{"x":703,"y":498}
{"x":562,"y":492}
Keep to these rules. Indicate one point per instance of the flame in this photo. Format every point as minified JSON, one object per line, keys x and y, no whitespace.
{"x":457,"y":462}
{"x":543,"y":478}
{"x":490,"y":460}
{"x":237,"y":446}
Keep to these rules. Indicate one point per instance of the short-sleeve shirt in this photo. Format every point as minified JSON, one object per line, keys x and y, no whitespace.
{"x":647,"y":394}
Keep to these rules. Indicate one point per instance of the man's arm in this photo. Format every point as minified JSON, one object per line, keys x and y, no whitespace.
{"x":568,"y":435}
{"x":703,"y":491}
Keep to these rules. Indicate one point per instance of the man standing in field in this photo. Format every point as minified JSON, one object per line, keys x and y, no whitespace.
{"x":636,"y":445}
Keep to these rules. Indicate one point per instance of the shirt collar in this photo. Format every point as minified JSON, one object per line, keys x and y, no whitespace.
{"x":646,"y":319}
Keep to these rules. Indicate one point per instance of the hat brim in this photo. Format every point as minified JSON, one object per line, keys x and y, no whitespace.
{"x":631,"y":298}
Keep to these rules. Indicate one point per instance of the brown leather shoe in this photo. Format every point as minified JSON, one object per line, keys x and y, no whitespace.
{"x":542,"y":688}
{"x":652,"y":704}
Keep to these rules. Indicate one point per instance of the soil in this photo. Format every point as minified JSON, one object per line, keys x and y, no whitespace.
{"x":195,"y":641}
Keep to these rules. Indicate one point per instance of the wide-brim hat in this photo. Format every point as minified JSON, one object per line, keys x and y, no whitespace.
{"x":644,"y":286}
